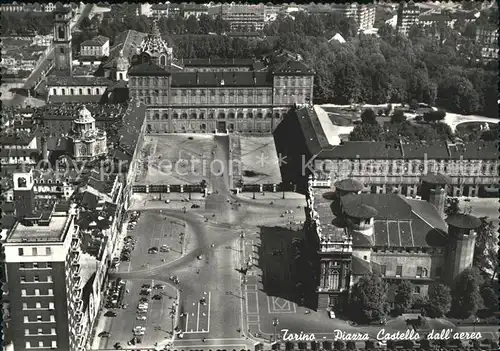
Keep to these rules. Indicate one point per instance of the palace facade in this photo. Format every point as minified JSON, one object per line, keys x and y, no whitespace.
{"x":205,"y":100}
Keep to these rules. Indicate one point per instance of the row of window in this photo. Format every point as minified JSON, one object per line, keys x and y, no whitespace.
{"x":41,"y":344}
{"x":35,"y":265}
{"x":40,"y":331}
{"x":24,"y":292}
{"x":36,"y":279}
{"x":221,"y":115}
{"x":40,"y":319}
{"x":71,"y":91}
{"x":420,"y":273}
{"x":38,"y":306}
{"x":34,"y":251}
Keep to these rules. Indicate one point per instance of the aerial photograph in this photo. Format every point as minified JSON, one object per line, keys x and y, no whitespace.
{"x":249,"y":176}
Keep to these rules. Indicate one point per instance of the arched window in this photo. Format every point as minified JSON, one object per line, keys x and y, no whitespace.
{"x":121,"y":76}
{"x":89,"y":91}
{"x":165,"y":116}
{"x":54,"y":91}
{"x":201,"y":115}
{"x":249,"y":115}
{"x":211,"y":115}
{"x":269,"y":115}
{"x":221,"y":115}
{"x":97,"y":91}
{"x":203,"y":126}
{"x":175,"y":115}
{"x":61,"y":36}
{"x":193,"y":115}
{"x":259,"y":115}
{"x":80,"y":91}
{"x":72,"y":91}
{"x":231,"y":115}
{"x":63,"y":91}
{"x":163,"y":60}
{"x":276,"y":115}
{"x":184,"y":115}
{"x":21,"y":182}
{"x":240,"y":114}
{"x":157,"y":116}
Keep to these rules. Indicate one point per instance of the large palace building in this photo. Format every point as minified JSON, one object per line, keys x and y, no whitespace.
{"x":353,"y":234}
{"x":211,"y":98}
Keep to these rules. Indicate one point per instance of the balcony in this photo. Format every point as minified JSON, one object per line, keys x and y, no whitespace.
{"x":77,"y":268}
{"x":75,"y":257}
{"x":75,"y":244}
{"x":77,"y":281}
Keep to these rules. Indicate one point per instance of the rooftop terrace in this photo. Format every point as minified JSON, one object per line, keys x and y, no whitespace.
{"x":54,"y":232}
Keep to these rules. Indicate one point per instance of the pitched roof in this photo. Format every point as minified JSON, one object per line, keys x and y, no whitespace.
{"x":63,"y":99}
{"x":291,"y":66}
{"x":16,"y":139}
{"x":57,"y":80}
{"x":388,"y":206}
{"x":360,"y":266}
{"x":207,"y":62}
{"x":147,"y":69}
{"x":359,"y":210}
{"x":99,"y":40}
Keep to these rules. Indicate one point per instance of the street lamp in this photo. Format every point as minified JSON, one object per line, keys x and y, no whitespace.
{"x":276,"y":322}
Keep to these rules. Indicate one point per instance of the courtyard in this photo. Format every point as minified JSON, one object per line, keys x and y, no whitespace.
{"x":174,"y":159}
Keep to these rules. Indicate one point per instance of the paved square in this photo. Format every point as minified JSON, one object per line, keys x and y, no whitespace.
{"x":259,"y":160}
{"x":174,"y":159}
{"x":280,"y":305}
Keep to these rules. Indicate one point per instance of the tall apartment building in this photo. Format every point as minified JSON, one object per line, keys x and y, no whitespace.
{"x":363,"y":15}
{"x":408,"y":14}
{"x":244,"y":18}
{"x":487,"y":39}
{"x":42,"y":270}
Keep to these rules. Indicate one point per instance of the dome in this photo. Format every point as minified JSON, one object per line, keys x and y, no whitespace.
{"x":122,"y":63}
{"x":84,"y":116}
{"x":349,"y":185}
{"x":463,"y":221}
{"x":153,"y":44}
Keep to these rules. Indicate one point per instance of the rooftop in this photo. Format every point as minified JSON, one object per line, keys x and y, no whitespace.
{"x":349,"y":184}
{"x":54,"y":81}
{"x":463,"y":221}
{"x":99,"y":40}
{"x":217,"y":79}
{"x":53,"y":232}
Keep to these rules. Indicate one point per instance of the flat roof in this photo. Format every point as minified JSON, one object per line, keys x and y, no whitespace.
{"x":37,"y":233}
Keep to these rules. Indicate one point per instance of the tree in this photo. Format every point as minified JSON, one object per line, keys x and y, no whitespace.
{"x":466,"y":298}
{"x":439,"y":300}
{"x":489,"y":296}
{"x":457,"y":94}
{"x":367,"y":132}
{"x":434,"y":116}
{"x":398,"y":116}
{"x":404,"y":296}
{"x":452,"y":206}
{"x":368,"y":299}
{"x":368,"y":116}
{"x":85,"y":24}
{"x":485,"y":254}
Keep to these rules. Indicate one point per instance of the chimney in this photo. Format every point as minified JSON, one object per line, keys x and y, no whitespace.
{"x":197,"y":78}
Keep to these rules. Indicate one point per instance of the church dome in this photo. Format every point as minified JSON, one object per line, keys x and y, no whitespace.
{"x":122,"y":63}
{"x":84,"y":116}
{"x":153,"y":44}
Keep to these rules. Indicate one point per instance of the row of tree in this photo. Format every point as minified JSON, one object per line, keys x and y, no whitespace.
{"x":471,"y":294}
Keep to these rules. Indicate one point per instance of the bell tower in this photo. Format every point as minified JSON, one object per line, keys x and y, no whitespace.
{"x":62,"y":39}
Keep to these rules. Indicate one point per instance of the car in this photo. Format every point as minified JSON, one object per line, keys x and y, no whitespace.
{"x":117,"y":346}
{"x":175,"y":279}
{"x":200,"y":257}
{"x":143,"y":305}
{"x":141,"y":318}
{"x":139,"y":333}
{"x":110,"y":314}
{"x":331,"y":314}
{"x":180,"y":335}
{"x":145,"y":292}
{"x":164,"y":248}
{"x":203,"y":301}
{"x":159,"y":287}
{"x":195,"y":206}
{"x":139,"y":327}
{"x":143,"y":300}
{"x":152,"y":251}
{"x":167,"y":201}
{"x":115,"y":259}
{"x":157,"y":297}
{"x":467,"y":200}
{"x":146,"y":286}
{"x":126,"y":259}
{"x":104,"y":334}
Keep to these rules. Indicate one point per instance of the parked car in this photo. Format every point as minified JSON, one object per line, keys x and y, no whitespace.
{"x":146,"y":286}
{"x":110,"y":314}
{"x":195,"y":206}
{"x":152,"y":251}
{"x":164,"y":248}
{"x":200,"y":257}
{"x":159,"y":287}
{"x":104,"y":334}
{"x":203,"y":301}
{"x":141,"y":318}
{"x":157,"y":297}
{"x":145,"y":292}
{"x":143,"y":300}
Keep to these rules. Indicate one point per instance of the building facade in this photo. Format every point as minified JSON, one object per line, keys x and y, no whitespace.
{"x":96,"y":47}
{"x":487,"y":39}
{"x":353,"y":234}
{"x":244,"y":18}
{"x":208,"y":100}
{"x":363,"y":15}
{"x":408,"y":14}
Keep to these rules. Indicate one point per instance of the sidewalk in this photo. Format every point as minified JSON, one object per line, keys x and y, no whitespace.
{"x":268,"y":196}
